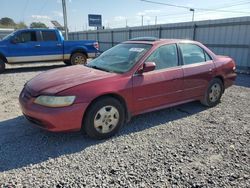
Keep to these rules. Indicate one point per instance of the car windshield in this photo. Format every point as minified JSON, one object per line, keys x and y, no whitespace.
{"x":120,"y":58}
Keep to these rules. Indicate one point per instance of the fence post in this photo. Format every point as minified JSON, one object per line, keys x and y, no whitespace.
{"x":129,"y":34}
{"x":160,"y":30}
{"x":248,"y":59}
{"x":112,"y":38}
{"x":97,"y":36}
{"x":194,"y":31}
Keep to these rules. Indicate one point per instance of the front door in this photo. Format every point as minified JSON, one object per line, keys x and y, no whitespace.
{"x":24,"y":47}
{"x":162,"y":86}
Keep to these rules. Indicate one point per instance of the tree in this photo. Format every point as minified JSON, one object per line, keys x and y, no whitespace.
{"x":7,"y":21}
{"x":38,"y":25}
{"x":21,"y":25}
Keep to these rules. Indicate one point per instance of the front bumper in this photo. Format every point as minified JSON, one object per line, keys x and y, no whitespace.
{"x":53,"y":119}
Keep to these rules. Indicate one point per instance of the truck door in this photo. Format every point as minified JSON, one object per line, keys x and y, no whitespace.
{"x":24,"y":47}
{"x":51,"y":45}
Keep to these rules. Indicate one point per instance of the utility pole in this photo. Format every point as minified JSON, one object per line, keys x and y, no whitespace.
{"x":155,"y":20}
{"x":126,"y":23}
{"x":141,"y":20}
{"x":192,"y":10}
{"x":65,"y":19}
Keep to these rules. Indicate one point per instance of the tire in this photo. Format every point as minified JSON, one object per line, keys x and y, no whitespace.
{"x":2,"y":66}
{"x":100,"y":122}
{"x":213,"y":93}
{"x":78,"y":58}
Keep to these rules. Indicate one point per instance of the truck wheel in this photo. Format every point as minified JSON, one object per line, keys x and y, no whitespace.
{"x":213,"y":94}
{"x":2,"y":66}
{"x":104,"y":118}
{"x":78,"y":58}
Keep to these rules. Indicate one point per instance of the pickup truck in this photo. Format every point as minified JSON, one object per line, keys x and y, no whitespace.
{"x":37,"y":45}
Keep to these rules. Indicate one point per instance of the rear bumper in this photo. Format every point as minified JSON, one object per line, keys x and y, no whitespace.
{"x":54,"y":119}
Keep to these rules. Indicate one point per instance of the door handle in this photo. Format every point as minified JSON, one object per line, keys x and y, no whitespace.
{"x":59,"y":44}
{"x":38,"y":45}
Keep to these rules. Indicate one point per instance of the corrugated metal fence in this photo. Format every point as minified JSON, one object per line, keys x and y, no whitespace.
{"x":225,"y":36}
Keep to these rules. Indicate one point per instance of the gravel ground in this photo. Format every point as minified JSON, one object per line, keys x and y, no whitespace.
{"x":184,"y":146}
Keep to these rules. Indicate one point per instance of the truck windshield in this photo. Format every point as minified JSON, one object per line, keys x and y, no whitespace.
{"x":8,"y":36}
{"x":120,"y":58}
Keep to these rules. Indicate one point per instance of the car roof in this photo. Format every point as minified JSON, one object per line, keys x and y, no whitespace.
{"x":154,"y":41}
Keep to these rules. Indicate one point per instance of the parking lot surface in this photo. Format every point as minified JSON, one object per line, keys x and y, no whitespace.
{"x":184,"y":146}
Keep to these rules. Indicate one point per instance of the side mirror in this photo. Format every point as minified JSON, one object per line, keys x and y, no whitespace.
{"x":14,"y":40}
{"x":146,"y":67}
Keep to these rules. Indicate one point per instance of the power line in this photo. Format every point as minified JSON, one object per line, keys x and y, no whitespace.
{"x":43,"y":6}
{"x":238,"y":4}
{"x":196,"y":8}
{"x":25,"y":7}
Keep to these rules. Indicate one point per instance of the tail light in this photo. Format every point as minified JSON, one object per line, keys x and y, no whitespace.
{"x":96,"y":45}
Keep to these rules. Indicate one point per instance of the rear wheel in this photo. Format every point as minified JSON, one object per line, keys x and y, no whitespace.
{"x":78,"y":58}
{"x":2,"y":66}
{"x":104,"y":118}
{"x":213,"y":94}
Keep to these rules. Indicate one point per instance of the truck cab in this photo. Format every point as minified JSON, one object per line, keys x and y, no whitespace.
{"x":38,"y":45}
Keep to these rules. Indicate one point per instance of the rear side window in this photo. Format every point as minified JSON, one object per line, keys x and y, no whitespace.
{"x":27,"y":36}
{"x":49,"y":36}
{"x":164,"y":57}
{"x":193,"y":54}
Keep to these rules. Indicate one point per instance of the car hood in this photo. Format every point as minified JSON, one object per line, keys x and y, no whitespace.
{"x":57,"y":80}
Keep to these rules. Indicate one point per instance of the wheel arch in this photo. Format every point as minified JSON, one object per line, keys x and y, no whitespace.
{"x":220,"y":77}
{"x":112,"y":95}
{"x":81,"y":50}
{"x":3,"y":58}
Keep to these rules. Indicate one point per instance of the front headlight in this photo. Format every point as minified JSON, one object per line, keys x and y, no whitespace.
{"x":55,"y":101}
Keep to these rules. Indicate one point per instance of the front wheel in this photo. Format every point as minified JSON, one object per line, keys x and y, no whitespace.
{"x":78,"y":58}
{"x":104,"y":118}
{"x":2,"y":66}
{"x":213,"y":94}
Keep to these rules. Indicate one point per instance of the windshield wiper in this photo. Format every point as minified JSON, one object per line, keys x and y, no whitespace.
{"x":98,"y":68}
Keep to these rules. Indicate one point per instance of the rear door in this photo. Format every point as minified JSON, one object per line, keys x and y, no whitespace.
{"x":198,"y":69}
{"x":51,"y":45}
{"x":24,"y":47}
{"x":162,"y":86}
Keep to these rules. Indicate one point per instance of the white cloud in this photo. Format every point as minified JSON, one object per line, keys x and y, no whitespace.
{"x":152,"y":11}
{"x":42,"y":17}
{"x":57,"y":13}
{"x":140,"y":13}
{"x":119,"y":18}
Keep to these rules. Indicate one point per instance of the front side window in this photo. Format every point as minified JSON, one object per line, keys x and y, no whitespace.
{"x":120,"y":58}
{"x":164,"y":57}
{"x":49,"y":36}
{"x":28,"y":36}
{"x":192,"y":54}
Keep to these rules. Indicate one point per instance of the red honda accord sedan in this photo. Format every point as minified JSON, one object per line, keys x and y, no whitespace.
{"x":134,"y":77}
